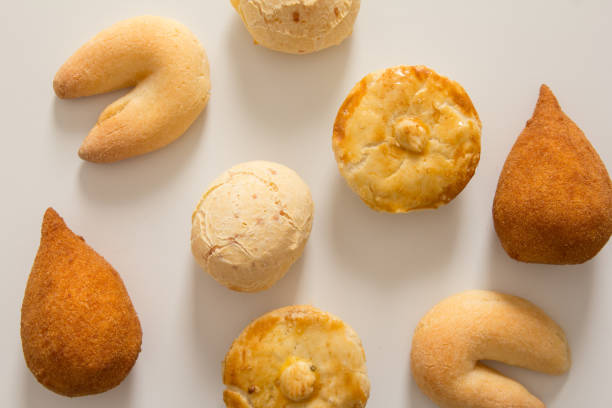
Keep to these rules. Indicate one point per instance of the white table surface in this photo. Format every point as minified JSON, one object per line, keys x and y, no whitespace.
{"x":378,"y":272}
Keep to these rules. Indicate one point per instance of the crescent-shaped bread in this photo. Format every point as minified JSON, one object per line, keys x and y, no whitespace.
{"x":459,"y":332}
{"x":166,"y":65}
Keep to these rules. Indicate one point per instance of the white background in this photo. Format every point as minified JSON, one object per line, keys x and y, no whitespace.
{"x":378,"y":272}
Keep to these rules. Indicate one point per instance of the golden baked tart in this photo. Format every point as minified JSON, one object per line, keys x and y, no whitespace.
{"x":407,"y":138}
{"x":296,"y":356}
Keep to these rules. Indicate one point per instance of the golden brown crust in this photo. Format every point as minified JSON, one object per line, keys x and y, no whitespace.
{"x":407,"y":138}
{"x":553,"y":203}
{"x":457,"y":333}
{"x":235,"y":399}
{"x":169,"y":69}
{"x":296,"y":354}
{"x":79,"y":331}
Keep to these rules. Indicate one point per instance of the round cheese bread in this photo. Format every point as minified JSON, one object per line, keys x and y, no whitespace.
{"x":251,"y":225}
{"x":298,"y":26}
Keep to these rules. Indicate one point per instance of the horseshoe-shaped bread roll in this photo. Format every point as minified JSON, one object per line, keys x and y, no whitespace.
{"x":298,"y":26}
{"x":297,"y":356}
{"x":169,"y":69}
{"x":407,"y":138}
{"x":477,"y":325}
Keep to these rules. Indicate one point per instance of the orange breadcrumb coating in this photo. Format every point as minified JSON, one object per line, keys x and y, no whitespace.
{"x":554,"y":197}
{"x":79,"y":331}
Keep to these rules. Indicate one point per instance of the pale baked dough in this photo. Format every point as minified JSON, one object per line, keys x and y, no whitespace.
{"x":456,"y":334}
{"x":297,"y":356}
{"x":298,"y":26}
{"x":165,"y":63}
{"x":407,"y":138}
{"x":251,"y":225}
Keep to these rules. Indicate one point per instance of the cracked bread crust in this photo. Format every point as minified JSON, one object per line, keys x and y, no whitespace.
{"x":298,"y":26}
{"x":407,"y":138}
{"x":251,"y":225}
{"x":264,"y":366}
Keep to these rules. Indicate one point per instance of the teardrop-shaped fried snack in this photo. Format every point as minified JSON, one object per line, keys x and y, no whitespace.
{"x":296,"y":356}
{"x":79,"y":331}
{"x":166,"y":65}
{"x":553,"y":203}
{"x":459,"y":332}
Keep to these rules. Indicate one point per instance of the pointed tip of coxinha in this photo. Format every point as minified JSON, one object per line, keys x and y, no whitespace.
{"x":546,"y":94}
{"x":547,"y":106}
{"x":80,"y":333}
{"x":51,"y":221}
{"x":55,"y":233}
{"x":547,"y":102}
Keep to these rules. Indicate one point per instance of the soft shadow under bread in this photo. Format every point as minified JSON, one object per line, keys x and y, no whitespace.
{"x":136,"y":178}
{"x":271,"y":80}
{"x":385,"y":248}
{"x":562,"y":291}
{"x":213,"y":331}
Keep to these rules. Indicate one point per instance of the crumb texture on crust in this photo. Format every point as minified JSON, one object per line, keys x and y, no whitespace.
{"x":79,"y":331}
{"x":407,"y":138}
{"x":459,"y":332}
{"x":296,"y":356}
{"x":553,"y":203}
{"x":165,"y":63}
{"x":251,"y":225}
{"x":298,"y":26}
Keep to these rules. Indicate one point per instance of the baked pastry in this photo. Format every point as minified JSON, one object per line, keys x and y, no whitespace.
{"x":79,"y":331}
{"x":298,"y":26}
{"x":165,"y":63}
{"x":553,"y":203}
{"x":251,"y":225}
{"x":407,"y":138}
{"x":296,"y":356}
{"x":457,"y":333}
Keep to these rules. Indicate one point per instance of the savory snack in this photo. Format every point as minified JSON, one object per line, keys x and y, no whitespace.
{"x":459,"y":332}
{"x":553,"y":203}
{"x":251,"y":225}
{"x":298,"y":26}
{"x":79,"y":331}
{"x":407,"y":138}
{"x":297,"y":355}
{"x":165,"y":63}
